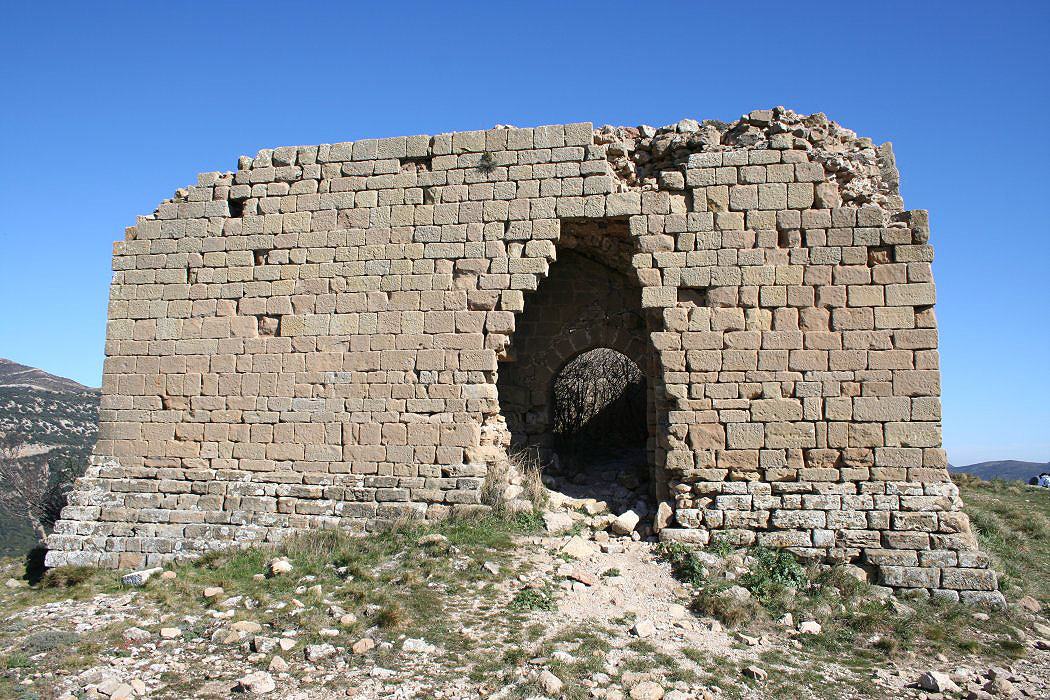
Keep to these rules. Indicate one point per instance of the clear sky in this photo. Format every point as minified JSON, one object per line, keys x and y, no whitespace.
{"x":111,"y":106}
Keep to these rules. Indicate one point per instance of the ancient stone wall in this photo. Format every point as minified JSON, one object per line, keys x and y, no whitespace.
{"x":315,"y":340}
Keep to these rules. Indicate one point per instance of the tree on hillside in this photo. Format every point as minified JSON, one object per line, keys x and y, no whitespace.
{"x":31,"y":487}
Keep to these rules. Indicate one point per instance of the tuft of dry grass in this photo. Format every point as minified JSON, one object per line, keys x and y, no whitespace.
{"x":68,"y":576}
{"x":521,"y":466}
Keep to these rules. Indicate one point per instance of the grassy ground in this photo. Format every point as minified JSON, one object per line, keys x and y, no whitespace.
{"x":431,"y":582}
{"x":1012,"y":523}
{"x":399,"y":583}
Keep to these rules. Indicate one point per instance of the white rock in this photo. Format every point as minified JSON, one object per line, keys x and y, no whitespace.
{"x":557,"y":523}
{"x":108,"y":686}
{"x":136,"y":634}
{"x":491,"y":567}
{"x":647,"y":690}
{"x":550,"y":683}
{"x":278,"y":665}
{"x":258,"y":683}
{"x":737,"y":593}
{"x":625,"y":524}
{"x":246,"y":627}
{"x":418,"y":646}
{"x":139,"y":578}
{"x":644,"y":629}
{"x":170,"y":632}
{"x":579,"y":548}
{"x":937,"y":682}
{"x":13,"y":583}
{"x":263,"y":645}
{"x":278,"y":567}
{"x":316,"y":652}
{"x":664,"y":516}
{"x":809,"y":627}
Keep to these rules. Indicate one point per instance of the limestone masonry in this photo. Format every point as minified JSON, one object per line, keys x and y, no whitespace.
{"x":345,"y":334}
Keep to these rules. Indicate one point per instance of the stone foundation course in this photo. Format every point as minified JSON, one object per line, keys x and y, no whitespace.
{"x":347,"y":334}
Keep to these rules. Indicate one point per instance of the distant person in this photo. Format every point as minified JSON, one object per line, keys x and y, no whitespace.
{"x":1044,"y":480}
{"x":1034,"y":481}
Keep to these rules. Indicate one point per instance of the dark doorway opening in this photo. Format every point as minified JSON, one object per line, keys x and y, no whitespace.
{"x":600,"y":430}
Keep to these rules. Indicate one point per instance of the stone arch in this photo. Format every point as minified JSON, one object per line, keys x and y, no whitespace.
{"x":590,"y":298}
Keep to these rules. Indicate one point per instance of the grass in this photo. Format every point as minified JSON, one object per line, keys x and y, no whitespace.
{"x":1012,"y":524}
{"x":408,"y":581}
{"x":532,"y":599}
{"x":398,"y":582}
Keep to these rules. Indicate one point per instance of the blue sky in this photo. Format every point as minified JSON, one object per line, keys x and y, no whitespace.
{"x":111,"y":106}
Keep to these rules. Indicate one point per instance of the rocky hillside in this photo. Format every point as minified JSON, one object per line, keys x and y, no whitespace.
{"x":45,"y":410}
{"x":48,"y":417}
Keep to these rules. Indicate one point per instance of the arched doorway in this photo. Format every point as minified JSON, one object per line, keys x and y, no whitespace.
{"x":590,"y":301}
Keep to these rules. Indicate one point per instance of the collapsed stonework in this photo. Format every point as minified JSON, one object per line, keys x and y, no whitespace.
{"x":317,"y":339}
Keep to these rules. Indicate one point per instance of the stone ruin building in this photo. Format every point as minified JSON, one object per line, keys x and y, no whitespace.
{"x":345,"y":334}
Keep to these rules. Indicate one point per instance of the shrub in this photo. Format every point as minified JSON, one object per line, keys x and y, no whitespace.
{"x":392,"y":616}
{"x":685,"y":566}
{"x":48,"y":640}
{"x":14,"y":661}
{"x":531,"y":599}
{"x":772,"y":571}
{"x":728,"y":610}
{"x":67,"y":576}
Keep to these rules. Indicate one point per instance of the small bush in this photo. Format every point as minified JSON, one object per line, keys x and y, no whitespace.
{"x":772,"y":571}
{"x":726,"y":609}
{"x":392,"y":616}
{"x":531,"y":599}
{"x":48,"y":640}
{"x":67,"y":576}
{"x":721,"y":547}
{"x":685,"y":566}
{"x":14,"y":661}
{"x":611,"y":572}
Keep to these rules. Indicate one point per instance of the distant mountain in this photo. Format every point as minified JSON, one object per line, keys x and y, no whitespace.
{"x":13,"y":374}
{"x":44,"y":411}
{"x":1007,"y":469}
{"x":48,"y":417}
